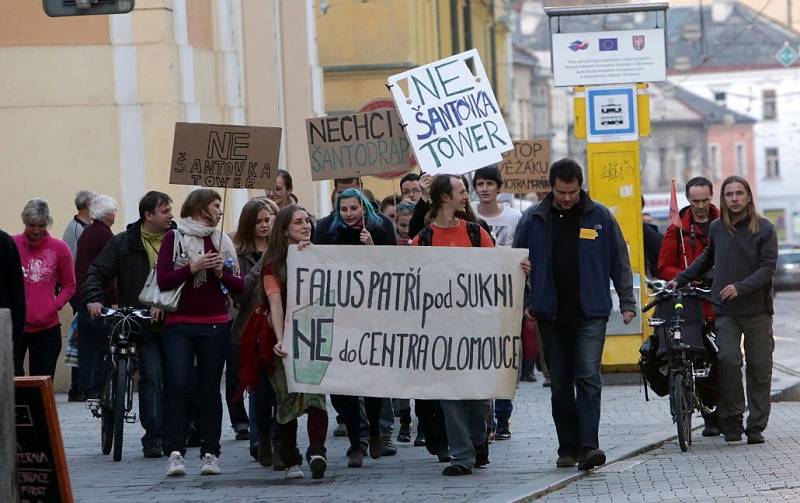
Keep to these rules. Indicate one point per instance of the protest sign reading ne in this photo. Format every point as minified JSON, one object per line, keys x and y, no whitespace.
{"x":609,"y":57}
{"x":372,"y":321}
{"x":368,"y":143}
{"x":216,"y":155}
{"x":526,"y":168}
{"x":453,"y":121}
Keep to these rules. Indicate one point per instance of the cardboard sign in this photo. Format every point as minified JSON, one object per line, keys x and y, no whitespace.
{"x":42,"y":474}
{"x":453,"y":120}
{"x":217,"y":155}
{"x":344,"y":146}
{"x":380,"y":103}
{"x":526,"y":168}
{"x":404,"y":322}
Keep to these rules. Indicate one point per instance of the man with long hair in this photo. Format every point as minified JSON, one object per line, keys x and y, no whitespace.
{"x":743,"y":246}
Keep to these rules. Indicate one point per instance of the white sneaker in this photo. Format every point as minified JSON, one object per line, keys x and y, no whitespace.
{"x":294,"y":472}
{"x":210,"y":465}
{"x":176,"y":466}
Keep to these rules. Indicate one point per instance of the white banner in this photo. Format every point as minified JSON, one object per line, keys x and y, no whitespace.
{"x":404,"y":322}
{"x":609,"y":57}
{"x":453,"y":120}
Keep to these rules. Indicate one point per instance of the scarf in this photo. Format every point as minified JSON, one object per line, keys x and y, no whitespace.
{"x":152,"y":244}
{"x":192,"y":234}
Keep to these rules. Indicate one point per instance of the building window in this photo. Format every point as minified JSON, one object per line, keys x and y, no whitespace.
{"x":773,"y":164}
{"x":719,"y":97}
{"x":714,"y":161}
{"x":741,"y":160}
{"x":663,"y":170}
{"x":770,"y":101}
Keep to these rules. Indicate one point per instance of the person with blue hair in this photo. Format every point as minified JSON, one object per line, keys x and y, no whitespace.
{"x":355,"y":222}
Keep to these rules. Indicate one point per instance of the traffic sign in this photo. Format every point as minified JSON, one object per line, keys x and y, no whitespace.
{"x":787,"y":56}
{"x":611,"y":114}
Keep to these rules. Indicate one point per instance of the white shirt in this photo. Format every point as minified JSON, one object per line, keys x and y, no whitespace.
{"x":503,"y":225}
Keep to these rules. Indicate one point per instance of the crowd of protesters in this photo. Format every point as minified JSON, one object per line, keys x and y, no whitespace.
{"x":231,"y":284}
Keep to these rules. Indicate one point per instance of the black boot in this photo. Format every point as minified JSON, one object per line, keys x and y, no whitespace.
{"x":526,"y":374}
{"x":316,"y":455}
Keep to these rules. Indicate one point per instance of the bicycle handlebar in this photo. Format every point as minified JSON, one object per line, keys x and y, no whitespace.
{"x":143,"y":314}
{"x":663,"y":294}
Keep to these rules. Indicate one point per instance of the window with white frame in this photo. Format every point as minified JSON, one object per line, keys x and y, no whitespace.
{"x":770,"y":104}
{"x":772,"y":162}
{"x":741,"y":159}
{"x":715,"y":161}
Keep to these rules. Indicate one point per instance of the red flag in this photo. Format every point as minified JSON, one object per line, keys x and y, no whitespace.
{"x":674,"y":216}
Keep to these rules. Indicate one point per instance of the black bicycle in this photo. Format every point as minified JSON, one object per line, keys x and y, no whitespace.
{"x":686,"y":349}
{"x":115,"y":402}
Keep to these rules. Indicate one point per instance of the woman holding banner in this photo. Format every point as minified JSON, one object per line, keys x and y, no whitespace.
{"x":292,"y":227}
{"x":205,"y":267}
{"x":355,"y":222}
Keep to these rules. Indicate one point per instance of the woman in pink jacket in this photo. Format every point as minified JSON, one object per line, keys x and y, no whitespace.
{"x":46,"y":262}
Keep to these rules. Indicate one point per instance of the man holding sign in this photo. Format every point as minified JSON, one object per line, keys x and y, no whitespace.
{"x":465,"y":419}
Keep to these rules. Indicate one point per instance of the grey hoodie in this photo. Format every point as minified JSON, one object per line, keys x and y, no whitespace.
{"x":743,"y":259}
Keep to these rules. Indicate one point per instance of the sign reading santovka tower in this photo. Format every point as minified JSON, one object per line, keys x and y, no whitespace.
{"x":217,"y":155}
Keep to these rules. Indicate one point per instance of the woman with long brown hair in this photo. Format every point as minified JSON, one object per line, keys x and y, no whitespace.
{"x":206,"y":267}
{"x":250,"y":240}
{"x":292,"y":227}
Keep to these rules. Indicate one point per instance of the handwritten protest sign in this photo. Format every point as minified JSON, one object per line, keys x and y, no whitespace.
{"x":526,"y":168}
{"x":453,"y":120}
{"x":368,"y":143}
{"x":217,"y":155}
{"x":372,"y":321}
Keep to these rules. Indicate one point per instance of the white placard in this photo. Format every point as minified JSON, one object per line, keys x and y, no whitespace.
{"x":609,"y":57}
{"x":453,"y":120}
{"x":404,"y":322}
{"x":611,"y":114}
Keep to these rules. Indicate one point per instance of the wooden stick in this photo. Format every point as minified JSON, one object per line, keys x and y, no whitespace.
{"x":222,"y":221}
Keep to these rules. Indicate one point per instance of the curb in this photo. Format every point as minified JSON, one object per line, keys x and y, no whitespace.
{"x":558,"y":480}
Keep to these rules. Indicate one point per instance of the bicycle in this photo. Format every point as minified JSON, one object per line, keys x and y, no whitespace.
{"x":686,"y":361}
{"x":115,"y":403}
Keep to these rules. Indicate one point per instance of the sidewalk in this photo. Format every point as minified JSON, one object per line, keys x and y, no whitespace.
{"x":519,"y":466}
{"x":712,"y":471}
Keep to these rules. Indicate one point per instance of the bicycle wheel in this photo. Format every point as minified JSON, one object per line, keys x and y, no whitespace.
{"x":107,"y":411}
{"x":682,"y":410}
{"x":120,"y":388}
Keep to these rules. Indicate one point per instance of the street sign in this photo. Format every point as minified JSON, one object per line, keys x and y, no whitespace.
{"x":787,"y":56}
{"x":609,"y":57}
{"x":611,"y":114}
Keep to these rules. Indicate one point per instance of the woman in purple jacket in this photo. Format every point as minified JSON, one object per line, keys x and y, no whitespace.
{"x":207,"y":267}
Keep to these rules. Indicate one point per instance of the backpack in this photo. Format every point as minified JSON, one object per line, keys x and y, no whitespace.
{"x":473,"y":230}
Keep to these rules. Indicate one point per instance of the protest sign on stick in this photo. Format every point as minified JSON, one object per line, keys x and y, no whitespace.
{"x":451,"y":116}
{"x":526,"y":168}
{"x":218,"y":155}
{"x":368,"y":143}
{"x":372,"y":321}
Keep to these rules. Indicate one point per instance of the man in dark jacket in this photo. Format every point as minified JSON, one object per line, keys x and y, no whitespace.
{"x":743,"y":248}
{"x":12,"y":286}
{"x":575,"y":245}
{"x":128,"y":258}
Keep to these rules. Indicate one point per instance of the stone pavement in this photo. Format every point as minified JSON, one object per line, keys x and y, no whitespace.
{"x":525,"y":461}
{"x":711,"y":471}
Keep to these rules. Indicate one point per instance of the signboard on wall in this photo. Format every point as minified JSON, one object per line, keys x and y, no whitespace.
{"x":608,"y":57}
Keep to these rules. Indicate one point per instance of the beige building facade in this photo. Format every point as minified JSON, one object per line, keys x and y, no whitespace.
{"x":91,"y":102}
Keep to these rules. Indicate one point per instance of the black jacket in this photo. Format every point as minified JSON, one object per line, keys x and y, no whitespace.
{"x":383,"y":235}
{"x":12,"y":286}
{"x":125,"y":259}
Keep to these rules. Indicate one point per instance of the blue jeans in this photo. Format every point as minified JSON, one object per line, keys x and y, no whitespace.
{"x":151,"y":389}
{"x":573,"y":353}
{"x":503,"y":409}
{"x":92,"y":348}
{"x":387,"y":417}
{"x":181,"y":343}
{"x":465,"y":421}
